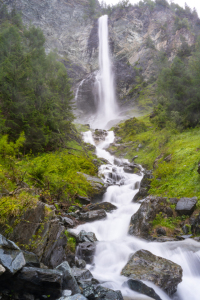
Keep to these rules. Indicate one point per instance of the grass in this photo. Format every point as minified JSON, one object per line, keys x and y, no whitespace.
{"x":176,"y":177}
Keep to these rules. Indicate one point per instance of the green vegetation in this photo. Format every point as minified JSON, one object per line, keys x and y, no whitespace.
{"x":35,"y":96}
{"x":42,"y":155}
{"x":173,"y":155}
{"x":171,"y":222}
{"x":71,"y":242}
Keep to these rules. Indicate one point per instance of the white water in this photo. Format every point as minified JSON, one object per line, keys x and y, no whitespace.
{"x":115,"y":245}
{"x":106,"y":106}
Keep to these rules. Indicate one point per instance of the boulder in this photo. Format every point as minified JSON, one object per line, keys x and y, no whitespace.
{"x":11,"y":257}
{"x":69,"y":282}
{"x":40,"y":228}
{"x":195,"y":226}
{"x":80,"y":263}
{"x":81,"y":274}
{"x":105,"y":293}
{"x":98,"y":187}
{"x":186,"y":206}
{"x":141,"y":221}
{"x":84,"y":236}
{"x":143,"y":265}
{"x":31,"y":259}
{"x":144,"y":186}
{"x":75,"y":297}
{"x":161,"y":231}
{"x":86,"y":251}
{"x":67,"y":222}
{"x":93,"y":215}
{"x":38,"y":282}
{"x":139,"y":287}
{"x":83,"y":200}
{"x":107,"y":206}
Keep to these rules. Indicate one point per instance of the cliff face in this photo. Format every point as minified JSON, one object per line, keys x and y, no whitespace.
{"x":137,"y":36}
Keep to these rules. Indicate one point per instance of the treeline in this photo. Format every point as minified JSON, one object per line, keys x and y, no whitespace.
{"x":178,"y":90}
{"x":181,"y":12}
{"x":35,"y":92}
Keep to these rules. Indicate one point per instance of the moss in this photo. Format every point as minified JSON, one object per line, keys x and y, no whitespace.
{"x":176,"y":177}
{"x":71,"y":242}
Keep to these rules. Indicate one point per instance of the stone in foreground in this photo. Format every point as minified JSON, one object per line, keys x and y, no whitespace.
{"x":186,"y":206}
{"x":93,"y":215}
{"x":86,"y":252}
{"x":140,"y":287}
{"x":143,"y":265}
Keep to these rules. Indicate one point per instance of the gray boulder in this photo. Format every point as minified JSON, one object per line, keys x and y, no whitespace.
{"x":195,"y":225}
{"x":80,"y":263}
{"x":39,"y":282}
{"x":141,"y":221}
{"x":81,"y":274}
{"x":143,"y":265}
{"x":75,"y":297}
{"x":186,"y":206}
{"x":86,"y":251}
{"x":97,"y":185}
{"x":31,"y":259}
{"x":69,"y":281}
{"x":93,"y":215}
{"x":144,"y":186}
{"x":84,"y":236}
{"x":67,"y":222}
{"x":107,"y":206}
{"x":11,"y":257}
{"x":140,"y":287}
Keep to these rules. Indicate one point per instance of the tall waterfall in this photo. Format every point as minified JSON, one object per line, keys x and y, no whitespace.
{"x":106,"y":102}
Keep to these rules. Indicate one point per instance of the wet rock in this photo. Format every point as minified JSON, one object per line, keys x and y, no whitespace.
{"x":186,"y":206}
{"x":97,"y":185}
{"x":93,"y":215}
{"x":186,"y":229}
{"x":75,"y":297}
{"x":84,"y":236}
{"x":83,"y":200}
{"x":80,"y":263}
{"x":86,"y":251}
{"x":140,"y":287}
{"x":99,"y":135}
{"x":2,"y":270}
{"x":141,"y":221}
{"x":174,"y":200}
{"x":195,"y":227}
{"x":105,"y":293}
{"x":107,"y":206}
{"x":69,"y":282}
{"x":161,"y":231}
{"x":39,"y":282}
{"x":163,"y":239}
{"x":144,"y":186}
{"x":31,"y":259}
{"x":81,"y":274}
{"x":144,"y":265}
{"x":11,"y":257}
{"x":67,"y":222}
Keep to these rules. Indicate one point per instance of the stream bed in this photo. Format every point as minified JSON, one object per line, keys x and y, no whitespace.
{"x":114,"y":245}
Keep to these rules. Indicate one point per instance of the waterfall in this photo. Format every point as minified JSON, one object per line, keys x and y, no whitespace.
{"x":106,"y":103}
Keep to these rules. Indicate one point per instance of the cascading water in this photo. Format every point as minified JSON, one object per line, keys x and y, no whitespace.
{"x":115,"y":245}
{"x":106,"y":102}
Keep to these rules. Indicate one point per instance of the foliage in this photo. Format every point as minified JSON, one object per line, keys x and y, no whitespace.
{"x":170,"y":222}
{"x":35,"y":94}
{"x":176,"y":177}
{"x":71,"y":242}
{"x":130,"y":128}
{"x":178,"y":91}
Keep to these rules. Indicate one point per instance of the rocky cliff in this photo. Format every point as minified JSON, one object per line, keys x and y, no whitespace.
{"x":138,"y":36}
